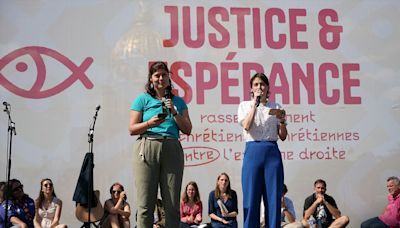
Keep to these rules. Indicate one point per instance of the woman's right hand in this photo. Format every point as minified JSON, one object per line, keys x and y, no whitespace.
{"x":224,"y":221}
{"x":155,"y":121}
{"x":257,"y":93}
{"x":122,"y":195}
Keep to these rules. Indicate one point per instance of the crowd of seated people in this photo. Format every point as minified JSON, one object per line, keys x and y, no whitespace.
{"x":24,"y":212}
{"x":320,"y":209}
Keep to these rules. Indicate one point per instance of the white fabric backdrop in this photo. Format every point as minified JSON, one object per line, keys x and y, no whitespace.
{"x":347,"y":137}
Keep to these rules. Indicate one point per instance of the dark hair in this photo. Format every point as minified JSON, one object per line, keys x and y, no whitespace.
{"x":40,"y":198}
{"x":228,"y":188}
{"x":320,"y":181}
{"x":3,"y":190}
{"x":185,"y":197}
{"x":284,"y":189}
{"x":158,"y":65}
{"x":262,"y":77}
{"x":11,"y":189}
{"x":116,"y":184}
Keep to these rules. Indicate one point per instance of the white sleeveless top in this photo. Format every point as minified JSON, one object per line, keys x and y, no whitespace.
{"x":47,"y":216}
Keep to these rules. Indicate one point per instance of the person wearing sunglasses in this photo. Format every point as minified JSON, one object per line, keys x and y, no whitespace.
{"x":11,"y":218}
{"x":24,"y":205}
{"x":116,"y":210}
{"x":48,"y":207}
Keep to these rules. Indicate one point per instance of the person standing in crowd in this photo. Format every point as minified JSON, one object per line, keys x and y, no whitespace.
{"x":48,"y":207}
{"x":263,"y":123}
{"x":223,"y":204}
{"x":24,"y":205}
{"x":116,"y":209}
{"x":322,"y":207}
{"x":191,"y":206}
{"x":158,"y":116}
{"x":390,"y":216}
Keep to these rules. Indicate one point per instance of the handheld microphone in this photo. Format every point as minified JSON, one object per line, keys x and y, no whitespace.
{"x":98,"y":107}
{"x":258,"y":100}
{"x":167,"y":95}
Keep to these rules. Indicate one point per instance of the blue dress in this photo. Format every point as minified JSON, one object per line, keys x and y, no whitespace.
{"x":231,"y":204}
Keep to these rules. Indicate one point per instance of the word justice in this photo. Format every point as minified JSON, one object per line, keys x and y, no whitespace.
{"x":281,"y":28}
{"x":327,"y":83}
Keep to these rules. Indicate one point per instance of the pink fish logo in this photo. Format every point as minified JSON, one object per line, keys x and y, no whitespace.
{"x":36,"y":52}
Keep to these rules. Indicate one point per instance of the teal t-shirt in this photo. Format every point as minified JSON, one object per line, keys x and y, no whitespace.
{"x":150,"y":106}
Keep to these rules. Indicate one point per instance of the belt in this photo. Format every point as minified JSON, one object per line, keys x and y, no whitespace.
{"x":156,"y":137}
{"x":150,"y":137}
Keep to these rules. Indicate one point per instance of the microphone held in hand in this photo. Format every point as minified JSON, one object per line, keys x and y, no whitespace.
{"x":167,"y":95}
{"x":258,"y":100}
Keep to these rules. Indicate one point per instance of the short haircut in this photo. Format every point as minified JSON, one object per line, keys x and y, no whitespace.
{"x":320,"y":181}
{"x":394,"y":179}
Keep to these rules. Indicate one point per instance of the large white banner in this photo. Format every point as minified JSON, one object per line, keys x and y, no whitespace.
{"x":332,"y":65}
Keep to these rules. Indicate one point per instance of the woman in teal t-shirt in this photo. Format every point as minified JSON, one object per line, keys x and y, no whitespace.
{"x":157,"y":116}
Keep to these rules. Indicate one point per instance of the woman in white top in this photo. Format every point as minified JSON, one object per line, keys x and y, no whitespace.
{"x":263,"y":123}
{"x":47,"y":207}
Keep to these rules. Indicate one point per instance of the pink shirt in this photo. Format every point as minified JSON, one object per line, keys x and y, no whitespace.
{"x":195,"y":211}
{"x":391,"y":215}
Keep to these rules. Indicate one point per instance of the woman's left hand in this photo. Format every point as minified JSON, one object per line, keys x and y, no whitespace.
{"x":281,"y":115}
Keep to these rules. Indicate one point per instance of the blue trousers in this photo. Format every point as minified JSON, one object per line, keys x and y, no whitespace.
{"x":374,"y":223}
{"x":262,"y":175}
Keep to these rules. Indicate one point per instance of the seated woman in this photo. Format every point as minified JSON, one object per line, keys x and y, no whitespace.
{"x":223,"y":204}
{"x":116,"y":210}
{"x":191,"y":207}
{"x":24,"y":205}
{"x":12,"y":220}
{"x":3,"y":204}
{"x":47,"y":207}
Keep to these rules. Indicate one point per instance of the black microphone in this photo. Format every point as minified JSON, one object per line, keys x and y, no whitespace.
{"x":6,"y":108}
{"x":98,"y":107}
{"x":258,"y":100}
{"x":167,"y":95}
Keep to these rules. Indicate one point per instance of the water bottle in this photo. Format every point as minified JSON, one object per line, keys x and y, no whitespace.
{"x":312,"y":222}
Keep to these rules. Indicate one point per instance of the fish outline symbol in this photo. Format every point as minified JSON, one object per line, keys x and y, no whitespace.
{"x":77,"y":72}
